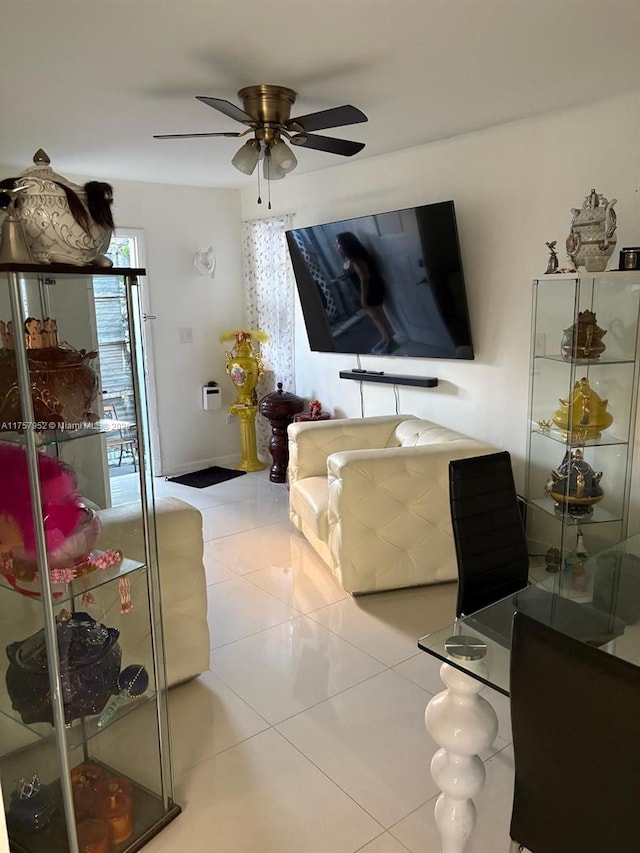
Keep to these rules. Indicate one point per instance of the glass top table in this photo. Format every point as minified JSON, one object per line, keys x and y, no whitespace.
{"x":603,"y":609}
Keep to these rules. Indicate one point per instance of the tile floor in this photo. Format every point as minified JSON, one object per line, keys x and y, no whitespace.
{"x":307,"y":733}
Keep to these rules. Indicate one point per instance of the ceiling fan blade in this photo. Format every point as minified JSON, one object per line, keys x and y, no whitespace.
{"x":327,"y":143}
{"x":191,"y":135}
{"x":335,"y":117}
{"x":227,"y":108}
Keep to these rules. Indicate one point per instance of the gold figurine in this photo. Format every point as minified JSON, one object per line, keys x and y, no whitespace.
{"x":584,"y":415}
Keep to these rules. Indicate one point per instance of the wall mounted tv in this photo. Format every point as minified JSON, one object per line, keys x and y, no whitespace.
{"x":393,"y":286}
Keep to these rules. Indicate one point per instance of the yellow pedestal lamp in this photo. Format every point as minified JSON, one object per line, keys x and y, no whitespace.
{"x":245,"y":369}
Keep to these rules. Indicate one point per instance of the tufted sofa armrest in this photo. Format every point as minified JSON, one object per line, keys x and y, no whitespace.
{"x":310,"y":444}
{"x":182,"y":582}
{"x":388,"y":514}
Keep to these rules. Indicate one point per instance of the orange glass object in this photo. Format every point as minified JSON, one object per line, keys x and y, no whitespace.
{"x":115,"y":806}
{"x":94,"y":836}
{"x":84,"y":801}
{"x":86,"y":774}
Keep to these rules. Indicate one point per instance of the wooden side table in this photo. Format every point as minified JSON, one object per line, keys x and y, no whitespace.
{"x":280,"y":408}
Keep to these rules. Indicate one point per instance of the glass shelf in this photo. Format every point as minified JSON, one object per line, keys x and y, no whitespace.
{"x":556,"y":434}
{"x":597,"y":516}
{"x":584,"y":362}
{"x":77,"y":732}
{"x":64,"y":593}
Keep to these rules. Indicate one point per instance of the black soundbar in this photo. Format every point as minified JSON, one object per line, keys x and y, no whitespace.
{"x":389,"y":378}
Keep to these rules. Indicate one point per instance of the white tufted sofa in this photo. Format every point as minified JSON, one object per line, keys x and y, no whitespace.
{"x":372,"y":497}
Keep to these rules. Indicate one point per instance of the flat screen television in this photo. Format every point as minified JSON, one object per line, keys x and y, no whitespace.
{"x":393,"y":285}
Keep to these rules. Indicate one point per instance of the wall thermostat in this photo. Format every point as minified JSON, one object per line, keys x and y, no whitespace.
{"x":211,"y":398}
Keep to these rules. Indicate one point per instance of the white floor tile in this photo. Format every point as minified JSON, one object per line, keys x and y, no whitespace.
{"x":206,"y":718}
{"x":250,"y":550}
{"x":291,"y":667}
{"x":214,"y":571}
{"x":238,"y":609}
{"x":263,"y":796}
{"x":371,"y":740}
{"x":305,"y":583}
{"x":387,"y":625}
{"x":244,"y":514}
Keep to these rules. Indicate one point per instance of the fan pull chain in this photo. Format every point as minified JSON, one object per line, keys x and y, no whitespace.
{"x":267,"y":163}
{"x":259,"y":198}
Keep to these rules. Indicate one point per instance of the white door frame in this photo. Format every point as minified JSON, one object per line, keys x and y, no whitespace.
{"x":140,"y":260}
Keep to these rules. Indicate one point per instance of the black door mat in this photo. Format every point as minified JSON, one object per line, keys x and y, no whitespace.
{"x":206,"y":477}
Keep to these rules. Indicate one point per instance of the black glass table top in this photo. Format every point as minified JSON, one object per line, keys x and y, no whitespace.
{"x":604,"y":612}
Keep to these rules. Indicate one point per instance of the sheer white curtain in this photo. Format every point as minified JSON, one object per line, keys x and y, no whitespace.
{"x":269,"y":301}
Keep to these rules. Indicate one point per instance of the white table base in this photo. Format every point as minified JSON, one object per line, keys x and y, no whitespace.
{"x":463,"y":724}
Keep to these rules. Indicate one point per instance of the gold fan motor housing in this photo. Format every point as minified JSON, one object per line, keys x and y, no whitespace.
{"x":268,"y":105}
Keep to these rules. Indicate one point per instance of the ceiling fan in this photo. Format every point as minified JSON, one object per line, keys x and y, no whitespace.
{"x":266,"y":113}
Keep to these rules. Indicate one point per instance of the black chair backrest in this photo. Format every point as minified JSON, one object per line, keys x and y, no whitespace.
{"x":576,"y":743}
{"x":491,"y":546}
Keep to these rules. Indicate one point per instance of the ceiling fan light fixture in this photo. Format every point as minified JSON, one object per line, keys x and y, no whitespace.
{"x":282,"y":156}
{"x":246,"y":157}
{"x":270,"y":169}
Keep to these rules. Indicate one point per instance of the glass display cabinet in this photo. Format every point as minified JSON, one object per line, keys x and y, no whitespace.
{"x":581,"y":425}
{"x":85,"y":758}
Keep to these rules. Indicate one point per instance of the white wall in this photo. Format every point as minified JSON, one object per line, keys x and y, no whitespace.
{"x":513,"y":187}
{"x":177,"y":221}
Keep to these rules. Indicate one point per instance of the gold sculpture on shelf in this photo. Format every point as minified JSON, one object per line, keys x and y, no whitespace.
{"x":245,"y":369}
{"x":584,"y":415}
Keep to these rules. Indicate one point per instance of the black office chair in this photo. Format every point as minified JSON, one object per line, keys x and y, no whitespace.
{"x":576,"y":744}
{"x":493,"y":560}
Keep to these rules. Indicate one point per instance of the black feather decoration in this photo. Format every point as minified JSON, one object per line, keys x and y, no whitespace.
{"x":99,"y":201}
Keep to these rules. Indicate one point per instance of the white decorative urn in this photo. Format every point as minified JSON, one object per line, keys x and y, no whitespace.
{"x":63,"y":222}
{"x":593,"y":233}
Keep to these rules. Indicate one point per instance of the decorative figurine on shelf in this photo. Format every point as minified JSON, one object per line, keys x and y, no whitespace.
{"x":89,"y":669}
{"x":114,"y":805}
{"x":62,"y":222}
{"x":552,"y":264}
{"x":71,"y":529}
{"x":132,"y":684}
{"x":64,"y":385}
{"x":552,"y":559}
{"x":32,"y":806}
{"x":245,"y":369}
{"x":593,"y":227}
{"x":61,"y":506}
{"x":584,"y":415}
{"x":575,"y":486}
{"x":575,"y":563}
{"x":315,"y":409}
{"x":584,"y":338}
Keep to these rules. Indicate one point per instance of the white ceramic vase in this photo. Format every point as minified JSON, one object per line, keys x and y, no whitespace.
{"x":52,"y":231}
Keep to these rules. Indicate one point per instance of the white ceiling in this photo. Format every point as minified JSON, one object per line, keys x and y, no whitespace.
{"x":91,"y":82}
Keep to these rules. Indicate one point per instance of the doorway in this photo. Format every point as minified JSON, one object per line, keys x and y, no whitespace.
{"x":114,"y":346}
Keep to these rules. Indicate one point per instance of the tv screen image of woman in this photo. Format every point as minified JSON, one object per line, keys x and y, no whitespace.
{"x":361,"y":266}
